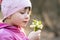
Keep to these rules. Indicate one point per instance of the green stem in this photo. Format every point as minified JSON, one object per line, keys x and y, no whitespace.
{"x":35,"y":29}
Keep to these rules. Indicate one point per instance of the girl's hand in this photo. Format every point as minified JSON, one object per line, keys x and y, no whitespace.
{"x":34,"y":35}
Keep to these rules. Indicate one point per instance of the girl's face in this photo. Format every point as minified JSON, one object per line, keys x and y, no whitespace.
{"x":21,"y":17}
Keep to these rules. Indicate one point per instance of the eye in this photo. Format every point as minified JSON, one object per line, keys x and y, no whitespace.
{"x":21,"y":12}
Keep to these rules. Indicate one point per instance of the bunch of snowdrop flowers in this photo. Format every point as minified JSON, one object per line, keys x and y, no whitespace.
{"x":37,"y":25}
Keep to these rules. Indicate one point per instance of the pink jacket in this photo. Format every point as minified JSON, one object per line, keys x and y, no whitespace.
{"x":11,"y":33}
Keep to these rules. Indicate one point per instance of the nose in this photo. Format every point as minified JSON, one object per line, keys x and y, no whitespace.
{"x":27,"y":16}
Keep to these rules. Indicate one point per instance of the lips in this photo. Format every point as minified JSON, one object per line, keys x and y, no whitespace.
{"x":25,"y":21}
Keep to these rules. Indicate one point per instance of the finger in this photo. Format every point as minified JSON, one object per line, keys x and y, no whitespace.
{"x":38,"y":32}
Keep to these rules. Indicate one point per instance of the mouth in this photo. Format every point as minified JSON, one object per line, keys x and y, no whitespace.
{"x":25,"y":21}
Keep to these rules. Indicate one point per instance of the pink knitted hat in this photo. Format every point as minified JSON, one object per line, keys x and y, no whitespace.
{"x":8,"y":7}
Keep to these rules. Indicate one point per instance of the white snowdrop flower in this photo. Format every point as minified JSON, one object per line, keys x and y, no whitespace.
{"x":32,"y":26}
{"x":40,"y":26}
{"x":32,"y":23}
{"x":37,"y":23}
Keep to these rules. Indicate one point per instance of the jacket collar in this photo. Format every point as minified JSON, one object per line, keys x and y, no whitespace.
{"x":13,"y":28}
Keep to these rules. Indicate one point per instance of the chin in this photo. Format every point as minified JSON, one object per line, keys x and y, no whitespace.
{"x":24,"y":26}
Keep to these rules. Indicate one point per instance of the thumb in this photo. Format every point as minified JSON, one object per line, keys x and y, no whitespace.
{"x":38,"y":32}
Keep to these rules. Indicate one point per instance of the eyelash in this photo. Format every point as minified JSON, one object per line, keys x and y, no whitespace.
{"x":23,"y":13}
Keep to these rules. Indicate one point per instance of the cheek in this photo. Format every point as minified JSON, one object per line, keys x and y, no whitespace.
{"x":17,"y":18}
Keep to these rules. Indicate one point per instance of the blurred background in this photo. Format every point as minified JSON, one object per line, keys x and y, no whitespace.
{"x":48,"y":11}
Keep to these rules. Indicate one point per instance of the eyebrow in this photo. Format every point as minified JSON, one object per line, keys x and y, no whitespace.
{"x":27,"y":8}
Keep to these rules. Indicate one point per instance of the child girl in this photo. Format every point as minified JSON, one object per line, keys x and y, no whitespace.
{"x":16,"y":14}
